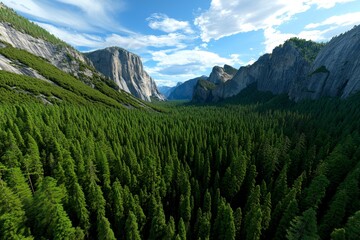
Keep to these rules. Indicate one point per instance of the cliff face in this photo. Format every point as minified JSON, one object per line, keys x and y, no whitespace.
{"x":222,"y":74}
{"x":335,"y":71}
{"x":185,"y":90}
{"x":126,"y":70}
{"x":301,"y":69}
{"x":63,"y":57}
{"x":276,"y":72}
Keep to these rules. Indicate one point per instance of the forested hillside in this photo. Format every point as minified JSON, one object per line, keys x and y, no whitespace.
{"x":255,"y":167}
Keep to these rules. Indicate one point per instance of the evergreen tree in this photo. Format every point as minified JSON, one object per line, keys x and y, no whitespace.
{"x":49,"y":218}
{"x":303,"y":227}
{"x":224,"y":226}
{"x":352,"y":227}
{"x":338,"y":234}
{"x":131,"y":227}
{"x":12,"y":215}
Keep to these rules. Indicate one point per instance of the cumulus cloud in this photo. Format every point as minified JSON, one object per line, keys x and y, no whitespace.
{"x":181,"y":65}
{"x":163,"y":23}
{"x":229,"y":17}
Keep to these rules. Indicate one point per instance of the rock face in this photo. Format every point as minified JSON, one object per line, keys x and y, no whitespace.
{"x":276,"y":72}
{"x":126,"y":70}
{"x":185,"y":90}
{"x":335,"y":71}
{"x":222,"y":74}
{"x":63,"y":57}
{"x":331,"y":70}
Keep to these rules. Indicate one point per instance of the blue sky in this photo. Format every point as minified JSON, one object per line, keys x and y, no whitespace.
{"x":180,"y":40}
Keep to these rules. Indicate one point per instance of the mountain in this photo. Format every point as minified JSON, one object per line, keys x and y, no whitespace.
{"x":166,"y":90}
{"x":301,"y":69}
{"x":335,"y":71}
{"x":59,"y":71}
{"x":126,"y":70}
{"x":218,"y":76}
{"x":128,"y":75}
{"x":222,"y":74}
{"x":185,"y":90}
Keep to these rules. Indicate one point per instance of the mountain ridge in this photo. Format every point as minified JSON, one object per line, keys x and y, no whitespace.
{"x":302,"y":69}
{"x":19,"y":32}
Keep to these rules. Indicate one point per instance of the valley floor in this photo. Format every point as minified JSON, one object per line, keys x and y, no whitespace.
{"x":254,"y":167}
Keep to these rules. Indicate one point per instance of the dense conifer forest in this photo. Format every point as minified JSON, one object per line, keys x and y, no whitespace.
{"x":254,"y":167}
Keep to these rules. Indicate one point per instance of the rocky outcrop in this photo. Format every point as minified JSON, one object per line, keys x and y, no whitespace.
{"x":302,"y":69}
{"x":63,"y":57}
{"x":203,"y":91}
{"x":126,"y":70}
{"x":276,"y":72}
{"x":335,"y":71}
{"x":222,"y":74}
{"x":185,"y":91}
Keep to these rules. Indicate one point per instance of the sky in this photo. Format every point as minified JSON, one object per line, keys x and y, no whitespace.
{"x":181,"y":40}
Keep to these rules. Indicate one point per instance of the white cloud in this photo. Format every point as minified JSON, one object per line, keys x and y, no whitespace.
{"x":229,"y":17}
{"x":163,"y":23}
{"x":181,"y":65}
{"x":80,"y":15}
{"x":131,"y":41}
{"x":349,"y":19}
{"x":322,"y":31}
{"x":327,"y":3}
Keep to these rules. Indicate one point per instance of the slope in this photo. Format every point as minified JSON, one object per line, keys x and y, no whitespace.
{"x":100,"y":93}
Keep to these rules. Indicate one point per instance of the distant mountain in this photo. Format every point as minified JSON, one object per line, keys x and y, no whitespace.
{"x":126,"y":70}
{"x":219,"y":75}
{"x":166,"y":90}
{"x":185,"y":90}
{"x":302,"y":69}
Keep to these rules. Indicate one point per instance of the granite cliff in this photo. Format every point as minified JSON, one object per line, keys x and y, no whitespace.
{"x":126,"y":70}
{"x":302,"y":69}
{"x":222,"y":74}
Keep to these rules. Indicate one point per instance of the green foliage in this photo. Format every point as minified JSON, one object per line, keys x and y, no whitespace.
{"x":308,"y":49}
{"x":64,"y":88}
{"x":206,"y":84}
{"x":256,"y":170}
{"x":303,"y":227}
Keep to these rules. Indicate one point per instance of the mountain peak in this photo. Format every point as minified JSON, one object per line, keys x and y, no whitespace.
{"x":126,"y":70}
{"x":222,"y":74}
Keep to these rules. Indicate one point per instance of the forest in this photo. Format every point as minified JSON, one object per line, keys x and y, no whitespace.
{"x":256,"y":166}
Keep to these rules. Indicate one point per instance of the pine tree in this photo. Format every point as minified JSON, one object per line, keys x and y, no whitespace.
{"x":48,"y":214}
{"x":12,"y":215}
{"x":338,"y":234}
{"x":315,"y":192}
{"x":158,"y":223}
{"x":237,"y":222}
{"x":103,"y":229}
{"x":224,"y":226}
{"x":334,"y":215}
{"x":303,"y":227}
{"x":266,"y":212}
{"x":352,"y":227}
{"x":131,"y":228}
{"x":181,"y":230}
